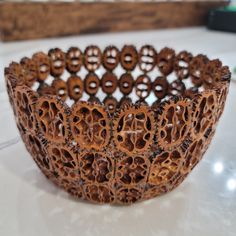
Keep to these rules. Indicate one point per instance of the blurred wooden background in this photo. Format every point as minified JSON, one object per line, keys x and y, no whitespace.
{"x":31,"y":20}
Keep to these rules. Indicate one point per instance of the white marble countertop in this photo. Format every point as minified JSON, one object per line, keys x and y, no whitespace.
{"x":205,"y":203}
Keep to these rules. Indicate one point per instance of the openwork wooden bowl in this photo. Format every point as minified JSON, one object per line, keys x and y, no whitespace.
{"x":117,"y":126}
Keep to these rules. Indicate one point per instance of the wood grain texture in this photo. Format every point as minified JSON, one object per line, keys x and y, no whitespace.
{"x":19,"y":21}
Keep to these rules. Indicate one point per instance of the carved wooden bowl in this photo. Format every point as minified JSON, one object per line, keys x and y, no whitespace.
{"x":117,"y":126}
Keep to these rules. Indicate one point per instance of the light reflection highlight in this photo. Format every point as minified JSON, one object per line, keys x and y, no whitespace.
{"x":218,"y":167}
{"x":231,"y":184}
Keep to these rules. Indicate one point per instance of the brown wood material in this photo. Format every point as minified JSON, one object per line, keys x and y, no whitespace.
{"x":19,"y":21}
{"x":117,"y":150}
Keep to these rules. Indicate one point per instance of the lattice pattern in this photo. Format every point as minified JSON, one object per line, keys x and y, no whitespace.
{"x":90,"y":125}
{"x":134,"y":129}
{"x":111,"y":149}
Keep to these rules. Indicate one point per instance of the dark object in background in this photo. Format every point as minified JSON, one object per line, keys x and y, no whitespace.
{"x":223,"y":19}
{"x":33,"y":20}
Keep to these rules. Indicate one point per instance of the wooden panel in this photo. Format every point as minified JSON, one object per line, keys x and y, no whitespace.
{"x":20,"y":21}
